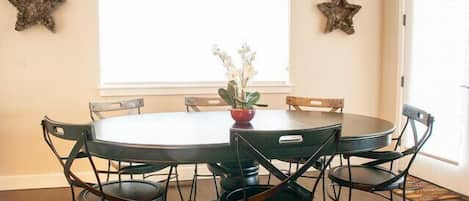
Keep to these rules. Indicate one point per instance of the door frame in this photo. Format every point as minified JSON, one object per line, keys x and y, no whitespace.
{"x":444,"y":172}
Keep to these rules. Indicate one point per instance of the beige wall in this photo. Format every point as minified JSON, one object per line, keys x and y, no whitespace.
{"x":57,"y":74}
{"x":335,"y":64}
{"x":390,"y":71}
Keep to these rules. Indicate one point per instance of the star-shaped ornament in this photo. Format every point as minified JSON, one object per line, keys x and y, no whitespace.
{"x":32,"y":12}
{"x":339,"y":15}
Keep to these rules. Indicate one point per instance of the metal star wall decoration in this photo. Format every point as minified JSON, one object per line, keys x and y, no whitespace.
{"x":339,"y":15}
{"x":32,"y":12}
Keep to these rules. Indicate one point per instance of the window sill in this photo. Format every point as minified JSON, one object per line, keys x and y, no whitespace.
{"x":143,"y":89}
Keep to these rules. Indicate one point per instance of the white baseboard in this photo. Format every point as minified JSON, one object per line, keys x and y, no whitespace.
{"x":35,"y":181}
{"x":56,"y":180}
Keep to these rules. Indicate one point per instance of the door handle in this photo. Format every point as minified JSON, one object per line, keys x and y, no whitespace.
{"x":464,"y":86}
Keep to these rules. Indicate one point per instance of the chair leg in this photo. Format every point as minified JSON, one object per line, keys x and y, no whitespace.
{"x":131,"y":175}
{"x":108,"y":170}
{"x":404,"y":187}
{"x":403,"y":194}
{"x":194,"y":185}
{"x":340,"y":160}
{"x":323,"y":187}
{"x":268,"y":178}
{"x":167,"y":183}
{"x":391,"y":197}
{"x":270,"y":175}
{"x":340,"y":193}
{"x":324,"y":183}
{"x":216,"y":186}
{"x":177,"y":183}
{"x":192,"y":188}
{"x":336,"y":195}
{"x":119,"y":166}
{"x":350,"y":179}
{"x":349,"y":193}
{"x":72,"y":190}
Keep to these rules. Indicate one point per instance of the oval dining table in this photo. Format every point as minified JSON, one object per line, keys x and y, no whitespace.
{"x":204,"y":137}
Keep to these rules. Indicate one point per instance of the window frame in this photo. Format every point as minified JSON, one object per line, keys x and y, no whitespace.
{"x":187,"y":88}
{"x":192,"y":88}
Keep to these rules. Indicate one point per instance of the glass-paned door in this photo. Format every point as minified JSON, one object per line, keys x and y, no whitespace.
{"x":436,"y":79}
{"x":437,"y":70}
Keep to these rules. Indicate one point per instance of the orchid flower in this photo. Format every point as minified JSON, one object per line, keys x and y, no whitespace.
{"x":239,"y":76}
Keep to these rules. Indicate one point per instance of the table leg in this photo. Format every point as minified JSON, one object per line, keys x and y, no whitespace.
{"x":233,"y":179}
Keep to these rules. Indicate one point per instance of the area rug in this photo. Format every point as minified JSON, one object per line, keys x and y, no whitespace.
{"x":420,"y":190}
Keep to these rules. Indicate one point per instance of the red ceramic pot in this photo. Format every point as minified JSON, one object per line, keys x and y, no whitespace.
{"x":242,"y":116}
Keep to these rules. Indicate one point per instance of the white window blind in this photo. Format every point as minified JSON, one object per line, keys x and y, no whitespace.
{"x":171,"y":41}
{"x":438,"y":56}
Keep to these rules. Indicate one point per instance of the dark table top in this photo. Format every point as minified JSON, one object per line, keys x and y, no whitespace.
{"x":174,"y":136}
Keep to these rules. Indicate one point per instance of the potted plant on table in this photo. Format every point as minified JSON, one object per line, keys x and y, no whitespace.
{"x":235,"y":93}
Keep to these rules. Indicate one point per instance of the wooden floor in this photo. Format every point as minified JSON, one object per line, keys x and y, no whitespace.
{"x":205,"y":192}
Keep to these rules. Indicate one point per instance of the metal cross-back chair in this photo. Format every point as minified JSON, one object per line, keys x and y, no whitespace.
{"x":262,"y":145}
{"x":112,"y":191}
{"x":372,"y":176}
{"x":194,"y":104}
{"x":297,"y":103}
{"x":333,"y":104}
{"x":98,"y":110}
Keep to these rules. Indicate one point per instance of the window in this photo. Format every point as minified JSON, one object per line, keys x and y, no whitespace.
{"x":169,"y":42}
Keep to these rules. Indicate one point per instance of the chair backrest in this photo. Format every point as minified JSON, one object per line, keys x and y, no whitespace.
{"x":63,"y":130}
{"x":80,"y":135}
{"x":264,"y":145}
{"x":334,"y":104}
{"x":132,"y":106}
{"x":413,"y":117}
{"x":194,"y":103}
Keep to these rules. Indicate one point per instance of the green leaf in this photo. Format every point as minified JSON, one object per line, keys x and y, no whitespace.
{"x":225,"y":95}
{"x":252,"y":98}
{"x":231,"y":88}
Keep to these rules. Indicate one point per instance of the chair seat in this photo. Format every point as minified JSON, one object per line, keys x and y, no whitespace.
{"x":382,"y":155}
{"x":141,"y":168}
{"x":283,"y":195}
{"x":364,"y":178}
{"x":132,"y":190}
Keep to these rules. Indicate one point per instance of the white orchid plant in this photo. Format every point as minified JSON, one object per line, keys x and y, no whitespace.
{"x":235,"y":93}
